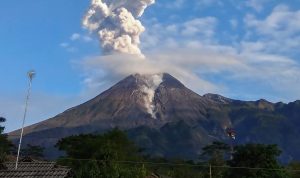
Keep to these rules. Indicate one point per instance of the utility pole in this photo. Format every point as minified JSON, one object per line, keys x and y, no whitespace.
{"x":30,"y":75}
{"x":231,"y":149}
{"x":210,"y":173}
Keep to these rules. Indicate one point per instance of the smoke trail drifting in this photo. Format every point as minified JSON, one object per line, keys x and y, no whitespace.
{"x":116,"y":24}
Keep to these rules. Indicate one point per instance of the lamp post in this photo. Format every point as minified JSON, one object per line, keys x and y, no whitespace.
{"x":30,"y":76}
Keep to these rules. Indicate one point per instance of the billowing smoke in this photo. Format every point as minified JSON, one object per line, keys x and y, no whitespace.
{"x":116,"y":24}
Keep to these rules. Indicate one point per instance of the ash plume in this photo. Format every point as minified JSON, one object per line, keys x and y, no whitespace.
{"x":116,"y":24}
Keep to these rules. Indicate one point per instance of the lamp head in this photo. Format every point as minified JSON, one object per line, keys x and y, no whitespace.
{"x":31,"y":74}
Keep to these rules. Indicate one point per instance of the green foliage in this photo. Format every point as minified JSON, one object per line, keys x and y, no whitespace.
{"x":294,"y":165}
{"x":5,"y":144}
{"x":113,"y":155}
{"x":177,"y":168}
{"x":33,"y":151}
{"x":101,"y":156}
{"x":216,"y":149}
{"x":256,"y":156}
{"x":216,"y":153}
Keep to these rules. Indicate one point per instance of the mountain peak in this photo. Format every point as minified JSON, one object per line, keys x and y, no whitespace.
{"x":153,"y":80}
{"x":143,"y":88}
{"x":170,"y":81}
{"x":150,"y":80}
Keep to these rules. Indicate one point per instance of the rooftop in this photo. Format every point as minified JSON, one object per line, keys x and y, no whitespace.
{"x":35,"y":169}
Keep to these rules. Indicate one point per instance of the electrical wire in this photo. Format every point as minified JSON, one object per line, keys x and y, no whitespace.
{"x":173,"y":164}
{"x":181,"y":164}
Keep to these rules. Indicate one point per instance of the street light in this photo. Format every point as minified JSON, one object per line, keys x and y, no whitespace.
{"x":30,"y":76}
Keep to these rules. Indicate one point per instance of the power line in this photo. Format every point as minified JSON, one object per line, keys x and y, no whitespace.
{"x":171,"y":164}
{"x":180,"y":164}
{"x":26,"y":136}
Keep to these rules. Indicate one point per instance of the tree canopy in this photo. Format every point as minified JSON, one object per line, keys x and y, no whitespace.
{"x":216,"y":154}
{"x":294,"y":165}
{"x":259,"y":156}
{"x":113,"y":155}
{"x":5,"y":144}
{"x":33,"y":151}
{"x":102,"y":155}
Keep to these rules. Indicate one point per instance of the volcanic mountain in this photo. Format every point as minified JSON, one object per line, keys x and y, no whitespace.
{"x":167,"y":119}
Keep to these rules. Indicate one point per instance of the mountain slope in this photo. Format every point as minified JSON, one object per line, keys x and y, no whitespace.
{"x":167,"y":119}
{"x":130,"y":103}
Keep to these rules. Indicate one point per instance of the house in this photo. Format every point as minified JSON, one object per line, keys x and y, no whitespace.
{"x":35,"y":169}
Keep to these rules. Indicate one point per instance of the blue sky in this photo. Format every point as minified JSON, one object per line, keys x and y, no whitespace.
{"x":241,"y":49}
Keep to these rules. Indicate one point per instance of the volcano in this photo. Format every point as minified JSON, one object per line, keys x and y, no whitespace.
{"x":169,"y":120}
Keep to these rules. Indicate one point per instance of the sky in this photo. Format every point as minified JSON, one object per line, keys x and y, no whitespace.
{"x":244,"y":50}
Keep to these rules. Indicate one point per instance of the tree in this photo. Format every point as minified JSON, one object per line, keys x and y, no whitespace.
{"x":294,"y":165}
{"x":5,"y":144}
{"x":257,"y":156}
{"x":102,"y":155}
{"x":216,"y":154}
{"x":33,"y":151}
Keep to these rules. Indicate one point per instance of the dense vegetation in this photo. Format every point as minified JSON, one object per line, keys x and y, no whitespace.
{"x":113,"y":155}
{"x":5,"y":145}
{"x":33,"y":151}
{"x":102,"y":156}
{"x":258,"y":157}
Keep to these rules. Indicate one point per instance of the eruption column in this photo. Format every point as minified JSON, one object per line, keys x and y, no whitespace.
{"x":116,"y":24}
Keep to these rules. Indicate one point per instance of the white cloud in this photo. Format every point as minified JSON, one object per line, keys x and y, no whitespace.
{"x":82,"y":37}
{"x":257,"y":5}
{"x":190,"y":51}
{"x":71,"y":49}
{"x":200,"y":29}
{"x":175,"y":4}
{"x":234,"y":23}
{"x":206,"y":3}
{"x":75,"y":36}
{"x":281,"y":22}
{"x":279,"y":32}
{"x":204,"y":26}
{"x":118,"y":66}
{"x":87,"y":38}
{"x":64,"y":45}
{"x":192,"y":54}
{"x":178,"y":4}
{"x":191,"y":63}
{"x":71,"y":45}
{"x":68,"y":47}
{"x":172,"y":28}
